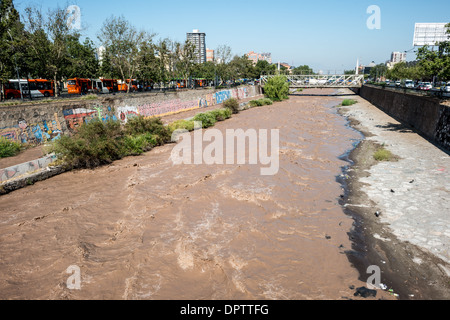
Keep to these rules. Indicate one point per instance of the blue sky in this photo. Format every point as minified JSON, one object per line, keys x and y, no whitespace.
{"x":326,"y":34}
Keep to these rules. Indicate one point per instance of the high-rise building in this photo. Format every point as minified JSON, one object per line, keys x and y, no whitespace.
{"x":397,"y":57}
{"x":197,"y":38}
{"x":209,"y":55}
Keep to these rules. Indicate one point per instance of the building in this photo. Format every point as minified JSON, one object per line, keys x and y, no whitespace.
{"x":209,"y":55}
{"x":369,"y":67}
{"x":397,"y":57}
{"x":266,"y":57}
{"x":197,"y":38}
{"x":255,"y":57}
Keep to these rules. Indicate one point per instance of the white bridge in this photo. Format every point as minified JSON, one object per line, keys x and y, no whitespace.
{"x":320,"y":81}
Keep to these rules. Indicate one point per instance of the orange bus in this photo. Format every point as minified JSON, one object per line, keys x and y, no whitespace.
{"x":79,"y":86}
{"x":36,"y":87}
{"x":123,"y":85}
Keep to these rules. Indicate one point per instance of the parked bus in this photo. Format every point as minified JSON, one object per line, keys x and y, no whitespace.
{"x":36,"y":87}
{"x":123,"y":85}
{"x":79,"y":86}
{"x":104,"y":86}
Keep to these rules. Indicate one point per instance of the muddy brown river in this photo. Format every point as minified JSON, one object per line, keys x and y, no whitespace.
{"x":144,"y":228}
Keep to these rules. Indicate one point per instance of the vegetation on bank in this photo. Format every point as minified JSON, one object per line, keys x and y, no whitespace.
{"x":348,"y":102}
{"x":277,"y":88}
{"x":383,"y":154}
{"x":9,"y":148}
{"x":98,"y":143}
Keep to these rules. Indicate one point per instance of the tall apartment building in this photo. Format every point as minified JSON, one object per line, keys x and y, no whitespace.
{"x":197,"y":38}
{"x":397,"y":57}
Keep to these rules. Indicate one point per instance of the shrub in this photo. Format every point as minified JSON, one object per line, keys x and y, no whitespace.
{"x":181,"y":124}
{"x":277,"y":88}
{"x":9,"y":148}
{"x":267,"y":101}
{"x":221,"y":114}
{"x":94,"y":144}
{"x":348,"y":102}
{"x":255,"y":103}
{"x":141,"y":125}
{"x":232,"y":104}
{"x":207,"y":119}
{"x":383,"y":155}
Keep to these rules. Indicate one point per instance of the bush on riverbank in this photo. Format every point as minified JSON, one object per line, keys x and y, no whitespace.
{"x":260,"y":102}
{"x":232,"y":104}
{"x":383,"y":155}
{"x":9,"y":148}
{"x":348,"y":102}
{"x":97,"y":143}
{"x":277,"y":88}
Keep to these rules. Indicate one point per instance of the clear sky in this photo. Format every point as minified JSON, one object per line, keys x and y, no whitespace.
{"x":324,"y":34}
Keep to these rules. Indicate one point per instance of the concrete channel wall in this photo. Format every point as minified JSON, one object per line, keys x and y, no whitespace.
{"x":427,"y":115}
{"x":39,"y":123}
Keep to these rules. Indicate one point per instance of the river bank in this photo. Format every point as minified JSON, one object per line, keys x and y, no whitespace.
{"x":400,"y":207}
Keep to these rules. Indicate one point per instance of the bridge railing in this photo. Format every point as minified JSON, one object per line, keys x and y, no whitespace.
{"x":320,"y":81}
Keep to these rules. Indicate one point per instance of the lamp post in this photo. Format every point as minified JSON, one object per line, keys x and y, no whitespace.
{"x":17,"y":69}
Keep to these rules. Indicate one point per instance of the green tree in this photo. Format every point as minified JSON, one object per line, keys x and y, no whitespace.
{"x":263,"y":67}
{"x":277,"y":88}
{"x":306,"y":70}
{"x":122,"y":42}
{"x":11,"y":31}
{"x":82,"y":60}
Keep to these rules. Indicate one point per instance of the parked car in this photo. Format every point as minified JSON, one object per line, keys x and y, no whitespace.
{"x":397,"y":83}
{"x":446,"y":88}
{"x":409,"y":84}
{"x":425,"y":86}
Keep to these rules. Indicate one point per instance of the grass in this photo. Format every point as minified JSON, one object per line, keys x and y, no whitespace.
{"x":383,"y":154}
{"x":9,"y":148}
{"x":348,"y":102}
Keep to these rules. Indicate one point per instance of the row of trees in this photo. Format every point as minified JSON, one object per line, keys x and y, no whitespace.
{"x":39,"y":45}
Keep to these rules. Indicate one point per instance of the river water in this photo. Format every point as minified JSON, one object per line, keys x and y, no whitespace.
{"x":144,"y":228}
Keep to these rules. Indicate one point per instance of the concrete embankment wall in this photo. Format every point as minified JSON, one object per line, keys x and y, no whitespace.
{"x":39,"y":123}
{"x":426,"y":115}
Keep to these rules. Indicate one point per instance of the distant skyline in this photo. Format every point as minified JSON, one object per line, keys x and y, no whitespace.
{"x":327,"y":35}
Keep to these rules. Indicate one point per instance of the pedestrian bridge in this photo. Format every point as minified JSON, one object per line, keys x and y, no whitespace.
{"x":320,"y":81}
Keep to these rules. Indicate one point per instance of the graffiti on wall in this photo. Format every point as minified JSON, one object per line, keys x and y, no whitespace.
{"x":27,"y":167}
{"x":177,"y":105}
{"x":76,"y":117}
{"x":34,"y":133}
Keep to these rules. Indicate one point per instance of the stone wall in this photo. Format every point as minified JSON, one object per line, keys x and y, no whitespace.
{"x":39,"y":123}
{"x":425,"y":114}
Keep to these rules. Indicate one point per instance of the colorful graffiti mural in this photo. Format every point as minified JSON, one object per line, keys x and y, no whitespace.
{"x":34,"y":133}
{"x":51,"y":129}
{"x":76,"y":117}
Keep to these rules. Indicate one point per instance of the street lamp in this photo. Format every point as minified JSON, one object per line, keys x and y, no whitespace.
{"x":17,"y":69}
